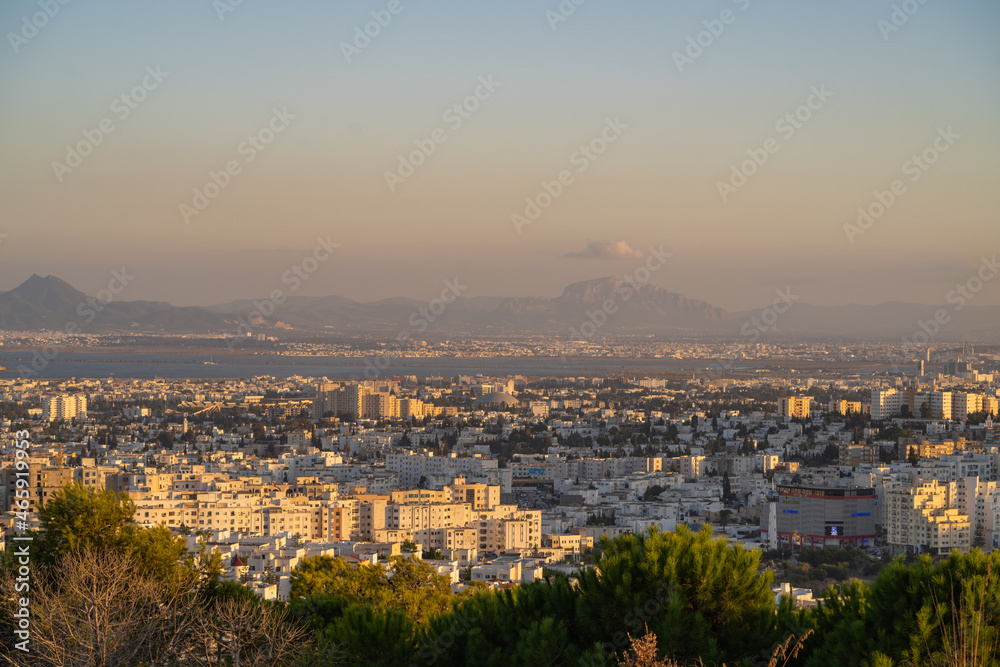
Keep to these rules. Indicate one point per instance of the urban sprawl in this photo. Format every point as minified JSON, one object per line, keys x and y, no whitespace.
{"x":497,"y":479}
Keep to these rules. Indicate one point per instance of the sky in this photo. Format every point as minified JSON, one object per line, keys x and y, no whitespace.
{"x":210,"y":147}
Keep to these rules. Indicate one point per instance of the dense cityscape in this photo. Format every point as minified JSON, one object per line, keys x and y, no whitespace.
{"x":497,"y":479}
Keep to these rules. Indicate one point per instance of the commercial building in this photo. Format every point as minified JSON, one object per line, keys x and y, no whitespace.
{"x":812,"y":516}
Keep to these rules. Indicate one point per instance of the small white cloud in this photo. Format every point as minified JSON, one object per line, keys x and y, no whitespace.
{"x":606,"y":250}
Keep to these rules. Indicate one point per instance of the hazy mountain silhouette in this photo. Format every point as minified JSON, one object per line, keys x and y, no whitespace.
{"x":50,"y":303}
{"x":53,"y":304}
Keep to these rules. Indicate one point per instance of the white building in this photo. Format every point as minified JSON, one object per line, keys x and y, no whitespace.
{"x":64,"y":407}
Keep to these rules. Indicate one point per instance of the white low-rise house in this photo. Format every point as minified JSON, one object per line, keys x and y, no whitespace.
{"x":447,"y":568}
{"x":803,"y":597}
{"x":507,"y":570}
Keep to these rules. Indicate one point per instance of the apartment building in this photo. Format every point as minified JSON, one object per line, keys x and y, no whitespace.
{"x":888,"y":403}
{"x":926,"y":449}
{"x":979,"y":499}
{"x":691,"y":467}
{"x":844,"y":407}
{"x":795,"y":406}
{"x":251,"y":511}
{"x":423,"y":517}
{"x":379,"y":400}
{"x":939,"y":403}
{"x":925,"y":518}
{"x":963,"y":405}
{"x":43,"y":480}
{"x":855,"y":455}
{"x":412,"y":467}
{"x":64,"y":407}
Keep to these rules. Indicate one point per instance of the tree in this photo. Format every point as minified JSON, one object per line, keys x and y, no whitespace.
{"x":97,"y":608}
{"x":727,"y":489}
{"x":532,"y":624}
{"x":704,"y":599}
{"x":370,"y":636}
{"x":918,"y":614}
{"x":653,"y":492}
{"x":408,"y":585}
{"x":76,"y":518}
{"x":925,"y":410}
{"x":245,"y":631}
{"x":979,"y":537}
{"x":257,"y":431}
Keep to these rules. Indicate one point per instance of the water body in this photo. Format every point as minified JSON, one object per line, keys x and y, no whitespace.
{"x":107,"y":362}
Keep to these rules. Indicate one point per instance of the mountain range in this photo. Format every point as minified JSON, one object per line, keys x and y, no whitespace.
{"x":48,"y":303}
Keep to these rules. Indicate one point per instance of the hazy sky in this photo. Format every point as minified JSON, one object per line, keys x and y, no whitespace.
{"x":673,"y":129}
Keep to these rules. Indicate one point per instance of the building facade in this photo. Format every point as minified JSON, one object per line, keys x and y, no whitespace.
{"x":825,"y":516}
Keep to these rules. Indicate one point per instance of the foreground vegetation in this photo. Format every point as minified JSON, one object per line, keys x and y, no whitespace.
{"x":818,"y":569}
{"x":106,"y":592}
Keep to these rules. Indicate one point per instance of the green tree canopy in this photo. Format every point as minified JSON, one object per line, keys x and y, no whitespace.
{"x":913,"y":614}
{"x":703,"y":598}
{"x":76,"y":518}
{"x":408,"y":585}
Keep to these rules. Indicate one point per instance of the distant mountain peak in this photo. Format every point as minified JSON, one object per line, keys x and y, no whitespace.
{"x":49,"y":290}
{"x":50,"y":303}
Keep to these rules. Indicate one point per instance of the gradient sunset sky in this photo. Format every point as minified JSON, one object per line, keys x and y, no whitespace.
{"x":655,"y":185}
